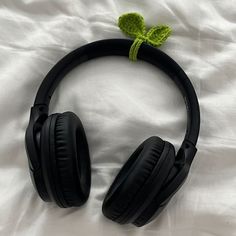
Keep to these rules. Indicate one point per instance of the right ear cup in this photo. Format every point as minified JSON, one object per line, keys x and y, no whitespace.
{"x":139,"y":180}
{"x":65,"y":160}
{"x":173,"y":182}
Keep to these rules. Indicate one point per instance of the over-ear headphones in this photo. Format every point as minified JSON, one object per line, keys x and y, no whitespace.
{"x":58,"y":152}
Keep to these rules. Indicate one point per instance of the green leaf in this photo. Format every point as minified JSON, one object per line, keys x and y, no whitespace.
{"x":157,"y":35}
{"x":132,"y":24}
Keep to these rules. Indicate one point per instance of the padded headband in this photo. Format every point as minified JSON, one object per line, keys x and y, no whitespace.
{"x":121,"y":47}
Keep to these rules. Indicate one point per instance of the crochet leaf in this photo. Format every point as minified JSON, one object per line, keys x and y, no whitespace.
{"x":132,"y":24}
{"x":157,"y":35}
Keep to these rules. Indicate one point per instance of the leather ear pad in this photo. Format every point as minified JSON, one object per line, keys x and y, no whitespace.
{"x":139,"y":180}
{"x":65,"y":159}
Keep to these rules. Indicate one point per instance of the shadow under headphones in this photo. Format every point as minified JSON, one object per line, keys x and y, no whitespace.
{"x":58,"y":152}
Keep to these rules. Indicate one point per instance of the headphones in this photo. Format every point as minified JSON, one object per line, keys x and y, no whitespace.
{"x":58,"y":151}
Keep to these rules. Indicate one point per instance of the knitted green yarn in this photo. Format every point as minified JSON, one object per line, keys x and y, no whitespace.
{"x":133,"y":52}
{"x":132,"y":24}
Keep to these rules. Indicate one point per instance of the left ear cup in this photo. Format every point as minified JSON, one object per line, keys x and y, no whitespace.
{"x":139,"y":180}
{"x":65,"y":159}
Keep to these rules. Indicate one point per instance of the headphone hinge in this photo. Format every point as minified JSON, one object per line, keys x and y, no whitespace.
{"x":38,"y":113}
{"x":186,"y":153}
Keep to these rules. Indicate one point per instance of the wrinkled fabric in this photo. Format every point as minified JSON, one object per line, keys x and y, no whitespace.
{"x":120,"y":103}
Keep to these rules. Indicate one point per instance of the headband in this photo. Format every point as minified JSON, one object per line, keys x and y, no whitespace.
{"x":121,"y":47}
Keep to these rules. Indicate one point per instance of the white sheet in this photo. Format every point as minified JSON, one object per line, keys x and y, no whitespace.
{"x":120,"y":103}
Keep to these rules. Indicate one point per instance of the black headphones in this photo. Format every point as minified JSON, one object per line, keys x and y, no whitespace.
{"x":58,"y":151}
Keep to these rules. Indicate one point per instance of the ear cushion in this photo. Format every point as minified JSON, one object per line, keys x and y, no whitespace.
{"x":152,"y":186}
{"x":65,"y":160}
{"x":134,"y":182}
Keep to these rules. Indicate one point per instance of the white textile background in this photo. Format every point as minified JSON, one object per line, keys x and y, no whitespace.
{"x":120,"y":104}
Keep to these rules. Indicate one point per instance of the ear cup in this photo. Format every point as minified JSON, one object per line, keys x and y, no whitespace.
{"x":139,"y":179}
{"x":65,"y":159}
{"x":171,"y":185}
